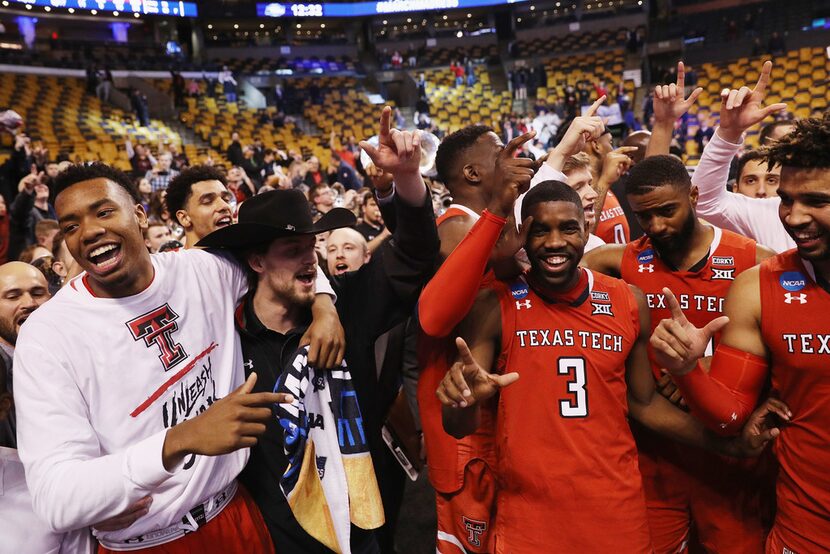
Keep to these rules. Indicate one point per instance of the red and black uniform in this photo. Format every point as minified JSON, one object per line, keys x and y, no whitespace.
{"x":612,"y":226}
{"x":685,"y":484}
{"x":568,"y":474}
{"x":460,"y":471}
{"x":796,"y":329}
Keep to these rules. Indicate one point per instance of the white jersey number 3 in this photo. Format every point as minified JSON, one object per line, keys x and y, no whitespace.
{"x":578,"y":407}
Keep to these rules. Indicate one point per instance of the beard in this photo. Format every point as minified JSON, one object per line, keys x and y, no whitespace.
{"x":678,"y":242}
{"x":8,"y":332}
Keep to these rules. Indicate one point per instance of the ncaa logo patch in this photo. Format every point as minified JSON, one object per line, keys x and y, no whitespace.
{"x":645,"y":256}
{"x":519,"y":290}
{"x":792,"y":281}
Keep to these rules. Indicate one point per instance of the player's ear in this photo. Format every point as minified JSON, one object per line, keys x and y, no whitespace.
{"x":694,"y":194}
{"x":141,"y":216}
{"x":471,"y":173}
{"x":184,"y":219}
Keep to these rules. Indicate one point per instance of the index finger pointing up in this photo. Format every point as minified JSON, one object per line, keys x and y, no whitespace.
{"x":385,"y":118}
{"x":464,"y":351}
{"x":595,"y":106}
{"x":674,"y":306}
{"x":514,"y":144}
{"x":681,"y":77}
{"x":763,"y":80}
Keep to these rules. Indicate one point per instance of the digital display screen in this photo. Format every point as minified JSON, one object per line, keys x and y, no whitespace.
{"x":359,"y":9}
{"x":143,"y":7}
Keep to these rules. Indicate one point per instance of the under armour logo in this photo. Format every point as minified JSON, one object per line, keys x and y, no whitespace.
{"x":523,"y":304}
{"x":474,"y":530}
{"x":646,"y":268}
{"x":248,"y":365}
{"x":734,"y":416}
{"x":601,"y":309}
{"x":723,"y":274}
{"x":290,"y":228}
{"x":789,"y":298}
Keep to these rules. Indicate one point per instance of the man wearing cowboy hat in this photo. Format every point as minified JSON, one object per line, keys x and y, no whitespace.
{"x":275,"y":236}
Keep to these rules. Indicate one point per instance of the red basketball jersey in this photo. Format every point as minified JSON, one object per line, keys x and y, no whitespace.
{"x":568,"y":474}
{"x":701,"y":291}
{"x":447,"y":456}
{"x":612,"y":226}
{"x":796,"y":329}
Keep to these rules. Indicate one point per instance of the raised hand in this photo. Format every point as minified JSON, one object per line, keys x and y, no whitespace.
{"x":743,"y":108}
{"x":678,"y":344}
{"x":398,"y":152}
{"x":512,"y":176}
{"x":231,"y":423}
{"x":467,"y":383}
{"x":616,"y":164}
{"x":670,"y":101}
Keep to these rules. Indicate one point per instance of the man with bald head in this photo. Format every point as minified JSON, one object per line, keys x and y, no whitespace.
{"x":638,"y":139}
{"x":347,"y":251}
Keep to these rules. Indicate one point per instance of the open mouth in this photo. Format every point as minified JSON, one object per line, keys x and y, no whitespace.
{"x":223,"y":221}
{"x":341,"y":268}
{"x":307,"y":278}
{"x":555,"y":263}
{"x":806,"y":239}
{"x":22,"y":319}
{"x":105,"y":257}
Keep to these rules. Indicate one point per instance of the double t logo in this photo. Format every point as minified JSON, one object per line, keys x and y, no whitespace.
{"x":156,"y":328}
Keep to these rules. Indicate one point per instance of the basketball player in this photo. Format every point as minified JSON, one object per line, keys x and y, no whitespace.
{"x":198,"y":199}
{"x":572,"y":346}
{"x":480,"y":173}
{"x":777,"y":329}
{"x":699,"y":262}
{"x":129,"y":383}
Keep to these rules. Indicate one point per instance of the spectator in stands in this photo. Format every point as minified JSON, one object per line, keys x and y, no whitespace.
{"x":346,"y":250}
{"x":45,"y":231}
{"x":29,"y":207}
{"x":178,"y":86}
{"x":141,"y":160}
{"x":458,"y":71}
{"x":156,"y":234}
{"x":755,"y":178}
{"x":180,"y":160}
{"x":469,"y":72}
{"x":372,"y":226}
{"x":199,"y":200}
{"x":240,"y":184}
{"x":228,"y":84}
{"x":704,"y":134}
{"x":139,"y":103}
{"x":270,"y":167}
{"x":776,"y":45}
{"x":313,"y":175}
{"x":411,"y":59}
{"x":193,"y":90}
{"x":757,"y":47}
{"x":162,"y":173}
{"x":322,"y":198}
{"x":250,"y":166}
{"x":346,"y":153}
{"x":422,"y":85}
{"x":234,"y":152}
{"x":345,"y":173}
{"x":63,"y":263}
{"x":104,"y":87}
{"x":774,"y":131}
{"x":397,"y":60}
{"x":400,"y":120}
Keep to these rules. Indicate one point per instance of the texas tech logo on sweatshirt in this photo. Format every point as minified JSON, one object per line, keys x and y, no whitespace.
{"x":156,"y":328}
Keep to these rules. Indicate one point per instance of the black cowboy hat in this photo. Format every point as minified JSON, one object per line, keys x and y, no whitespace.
{"x":272,"y":215}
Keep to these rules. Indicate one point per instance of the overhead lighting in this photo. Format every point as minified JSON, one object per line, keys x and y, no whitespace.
{"x":469,"y":15}
{"x":262,"y":25}
{"x":409,"y":20}
{"x":70,"y":10}
{"x":210,"y":26}
{"x":384,"y":22}
{"x":115,"y":14}
{"x":322,"y":25}
{"x":136,"y":15}
{"x":445,"y":18}
{"x":236,"y":25}
{"x":299,"y":25}
{"x":5,"y":2}
{"x":93,"y":12}
{"x":47,"y":9}
{"x":459,"y":34}
{"x":28,"y":6}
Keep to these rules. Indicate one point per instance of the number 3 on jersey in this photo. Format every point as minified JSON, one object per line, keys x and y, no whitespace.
{"x":575,"y":368}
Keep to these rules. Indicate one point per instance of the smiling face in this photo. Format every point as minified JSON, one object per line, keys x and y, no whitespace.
{"x":580,"y":180}
{"x":22,"y":290}
{"x":102,"y":227}
{"x":206,"y":210}
{"x":287,"y":270}
{"x":555,"y":244}
{"x":346,"y":251}
{"x":805,"y":210}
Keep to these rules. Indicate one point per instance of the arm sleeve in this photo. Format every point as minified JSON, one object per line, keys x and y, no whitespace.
{"x":387,"y":209}
{"x":724,"y":398}
{"x":72,"y":484}
{"x":450,"y":294}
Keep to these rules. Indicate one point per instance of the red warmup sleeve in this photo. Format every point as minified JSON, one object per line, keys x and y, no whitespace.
{"x":725,"y":397}
{"x":450,"y":294}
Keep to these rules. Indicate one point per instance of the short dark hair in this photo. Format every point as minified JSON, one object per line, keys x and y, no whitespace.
{"x":764,"y":136}
{"x":655,"y":172}
{"x":806,"y":147}
{"x":751,"y":155}
{"x":77,"y":173}
{"x":179,"y":189}
{"x":550,"y":191}
{"x":453,"y":146}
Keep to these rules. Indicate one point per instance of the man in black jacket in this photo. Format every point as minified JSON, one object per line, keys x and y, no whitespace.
{"x":372,"y":300}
